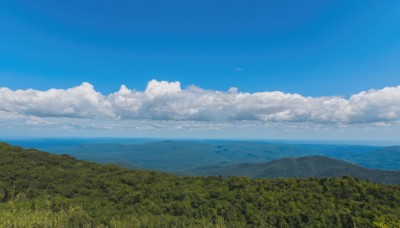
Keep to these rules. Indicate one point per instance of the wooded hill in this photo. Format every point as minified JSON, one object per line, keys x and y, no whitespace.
{"x":45,"y":190}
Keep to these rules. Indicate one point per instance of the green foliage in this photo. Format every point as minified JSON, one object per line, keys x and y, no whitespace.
{"x":38,"y":189}
{"x":15,"y":214}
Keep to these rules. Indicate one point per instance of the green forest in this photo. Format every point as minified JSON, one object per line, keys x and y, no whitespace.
{"x":38,"y":189}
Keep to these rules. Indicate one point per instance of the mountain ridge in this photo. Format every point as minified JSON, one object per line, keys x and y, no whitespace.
{"x":171,"y":156}
{"x":302,"y":167}
{"x":39,"y":189}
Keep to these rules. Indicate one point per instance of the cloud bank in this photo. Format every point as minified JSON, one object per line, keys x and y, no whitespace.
{"x":167,"y":101}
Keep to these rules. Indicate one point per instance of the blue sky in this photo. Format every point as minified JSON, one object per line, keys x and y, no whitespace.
{"x":313,"y":48}
{"x":291,"y":46}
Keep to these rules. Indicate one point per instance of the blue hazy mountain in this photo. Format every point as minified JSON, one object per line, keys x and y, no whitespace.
{"x":303,"y":167}
{"x":183,"y":155}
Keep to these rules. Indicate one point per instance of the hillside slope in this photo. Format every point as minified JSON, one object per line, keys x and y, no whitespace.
{"x":309,"y":166}
{"x":44,"y":190}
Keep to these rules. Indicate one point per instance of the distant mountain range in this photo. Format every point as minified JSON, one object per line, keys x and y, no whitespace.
{"x":39,"y":189}
{"x":309,"y":166}
{"x":251,"y":159}
{"x":385,"y":158}
{"x":175,"y":156}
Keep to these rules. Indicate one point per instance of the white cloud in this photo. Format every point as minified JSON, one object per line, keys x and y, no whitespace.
{"x":81,"y":102}
{"x":166,"y":101}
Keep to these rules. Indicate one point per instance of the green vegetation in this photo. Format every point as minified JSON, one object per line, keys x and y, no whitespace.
{"x":44,"y":190}
{"x":310,"y":166}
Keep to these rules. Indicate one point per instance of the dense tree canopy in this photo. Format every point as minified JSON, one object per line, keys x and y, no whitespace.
{"x":53,"y":190}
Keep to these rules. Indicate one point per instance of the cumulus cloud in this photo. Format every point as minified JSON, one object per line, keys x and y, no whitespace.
{"x":81,"y":101}
{"x":167,"y":101}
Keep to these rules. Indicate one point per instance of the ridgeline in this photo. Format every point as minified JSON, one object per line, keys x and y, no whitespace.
{"x":309,"y":166}
{"x":45,"y":190}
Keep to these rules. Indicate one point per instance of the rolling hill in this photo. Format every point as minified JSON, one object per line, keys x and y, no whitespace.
{"x":303,"y":167}
{"x":39,"y":189}
{"x":176,"y":156}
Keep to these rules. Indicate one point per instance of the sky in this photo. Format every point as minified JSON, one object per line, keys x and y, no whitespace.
{"x":203,"y":69}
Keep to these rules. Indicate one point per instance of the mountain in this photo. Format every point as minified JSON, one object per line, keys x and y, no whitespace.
{"x":39,"y":189}
{"x":385,"y":158}
{"x":173,"y":156}
{"x":309,"y":166}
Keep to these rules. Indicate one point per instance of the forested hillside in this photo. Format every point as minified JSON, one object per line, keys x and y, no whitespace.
{"x":45,"y":190}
